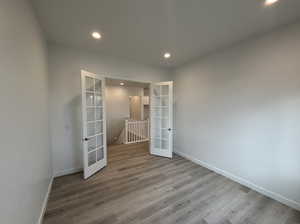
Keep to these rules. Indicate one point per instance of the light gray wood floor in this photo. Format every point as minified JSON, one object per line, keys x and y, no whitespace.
{"x":139,"y":188}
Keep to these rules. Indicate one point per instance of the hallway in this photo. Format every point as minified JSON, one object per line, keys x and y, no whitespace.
{"x":139,"y":188}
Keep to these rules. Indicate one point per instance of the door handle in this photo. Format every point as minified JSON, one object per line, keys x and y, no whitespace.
{"x":169,"y":129}
{"x":86,"y":139}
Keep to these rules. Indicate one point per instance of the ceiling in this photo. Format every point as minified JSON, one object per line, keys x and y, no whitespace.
{"x":142,"y":30}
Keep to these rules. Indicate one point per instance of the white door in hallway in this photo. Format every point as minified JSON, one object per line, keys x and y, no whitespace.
{"x":93,"y":123}
{"x":161,"y":104}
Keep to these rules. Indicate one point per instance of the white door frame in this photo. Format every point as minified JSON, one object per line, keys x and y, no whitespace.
{"x":104,"y":77}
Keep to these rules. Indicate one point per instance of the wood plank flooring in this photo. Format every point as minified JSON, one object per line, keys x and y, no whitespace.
{"x":137,"y":188}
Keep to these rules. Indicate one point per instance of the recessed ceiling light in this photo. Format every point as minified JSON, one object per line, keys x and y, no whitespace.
{"x":167,"y":55}
{"x":122,"y":83}
{"x":96,"y":35}
{"x":270,"y":2}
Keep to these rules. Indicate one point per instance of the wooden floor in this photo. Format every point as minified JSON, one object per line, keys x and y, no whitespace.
{"x":141,"y":189}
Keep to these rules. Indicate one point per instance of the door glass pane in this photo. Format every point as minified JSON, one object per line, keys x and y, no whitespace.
{"x":157,"y":143}
{"x":91,"y":144}
{"x":156,"y":90}
{"x":98,"y":100}
{"x":165,"y":134}
{"x":89,"y":84}
{"x":164,"y":144}
{"x":98,"y":86}
{"x":156,"y":112}
{"x":92,"y":158}
{"x":90,"y":99}
{"x":90,"y":114}
{"x":165,"y":90}
{"x":157,"y":133}
{"x":156,"y":102}
{"x":99,"y":140}
{"x":164,"y":123}
{"x":99,"y":127}
{"x":99,"y":114}
{"x":91,"y":129}
{"x":100,"y":154}
{"x":157,"y":123}
{"x":165,"y":113}
{"x":164,"y":101}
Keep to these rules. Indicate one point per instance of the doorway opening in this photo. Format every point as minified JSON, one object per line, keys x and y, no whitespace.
{"x":124,"y":112}
{"x":128,"y":111}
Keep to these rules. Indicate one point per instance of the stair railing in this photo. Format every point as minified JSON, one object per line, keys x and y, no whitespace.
{"x":136,"y":131}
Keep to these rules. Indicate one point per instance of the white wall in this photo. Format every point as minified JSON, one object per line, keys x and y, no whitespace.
{"x":117,"y":108}
{"x":65,"y":97}
{"x":239,"y":111}
{"x":24,"y":142}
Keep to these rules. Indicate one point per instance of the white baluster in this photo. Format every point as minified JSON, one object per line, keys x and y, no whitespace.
{"x":126,"y":131}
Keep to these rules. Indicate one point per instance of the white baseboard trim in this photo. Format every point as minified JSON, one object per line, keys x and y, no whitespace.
{"x":67,"y":172}
{"x":45,"y":202}
{"x":270,"y":194}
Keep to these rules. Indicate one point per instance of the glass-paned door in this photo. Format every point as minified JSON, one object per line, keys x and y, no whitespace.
{"x":161,"y":104}
{"x":93,"y":123}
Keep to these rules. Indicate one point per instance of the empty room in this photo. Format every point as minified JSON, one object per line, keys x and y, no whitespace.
{"x":150,"y":111}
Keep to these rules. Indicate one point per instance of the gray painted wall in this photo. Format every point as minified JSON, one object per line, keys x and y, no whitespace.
{"x":24,"y":142}
{"x":65,"y":97}
{"x":238,"y":110}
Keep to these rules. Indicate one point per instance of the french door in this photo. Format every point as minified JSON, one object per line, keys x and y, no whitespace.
{"x":161,"y":105}
{"x":93,"y":123}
